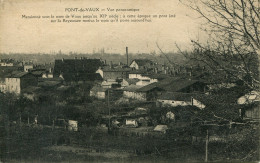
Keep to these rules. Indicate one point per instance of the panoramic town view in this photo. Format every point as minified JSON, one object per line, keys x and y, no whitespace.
{"x":166,"y":104}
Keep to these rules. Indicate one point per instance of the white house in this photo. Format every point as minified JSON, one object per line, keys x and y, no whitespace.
{"x":16,"y":82}
{"x":179,"y":99}
{"x":27,"y":67}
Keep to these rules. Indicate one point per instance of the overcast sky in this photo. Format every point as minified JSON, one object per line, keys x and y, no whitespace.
{"x":38,"y":35}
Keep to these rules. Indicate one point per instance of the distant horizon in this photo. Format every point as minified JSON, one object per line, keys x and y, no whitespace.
{"x":88,"y":53}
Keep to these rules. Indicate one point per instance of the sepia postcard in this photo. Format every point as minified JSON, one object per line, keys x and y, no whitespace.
{"x":129,"y":81}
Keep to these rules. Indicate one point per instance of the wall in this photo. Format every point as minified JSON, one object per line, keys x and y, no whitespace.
{"x":99,"y":71}
{"x":135,"y":95}
{"x":181,"y":103}
{"x":13,"y":85}
{"x":27,"y":67}
{"x":135,"y":76}
{"x":135,"y":65}
{"x":252,"y":113}
{"x":6,"y":64}
{"x":2,"y":87}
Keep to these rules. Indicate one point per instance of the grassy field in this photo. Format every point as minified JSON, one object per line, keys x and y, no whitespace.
{"x":42,"y":144}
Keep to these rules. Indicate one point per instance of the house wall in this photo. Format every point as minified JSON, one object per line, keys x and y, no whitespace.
{"x":135,"y":65}
{"x":13,"y":85}
{"x":27,"y":67}
{"x":2,"y":87}
{"x":135,"y":76}
{"x":135,"y":95}
{"x":143,"y":82}
{"x":131,"y":122}
{"x":100,"y":72}
{"x":47,"y":75}
{"x":6,"y":64}
{"x":252,"y":113}
{"x":174,"y":103}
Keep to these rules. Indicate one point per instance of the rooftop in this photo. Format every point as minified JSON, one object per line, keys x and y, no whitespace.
{"x":143,"y":62}
{"x":132,"y":88}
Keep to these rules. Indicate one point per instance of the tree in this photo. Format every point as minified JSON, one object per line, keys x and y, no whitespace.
{"x":233,"y":45}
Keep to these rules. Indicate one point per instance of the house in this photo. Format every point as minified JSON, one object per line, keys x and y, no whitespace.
{"x":47,"y":75}
{"x":150,"y":92}
{"x":17,"y":81}
{"x":2,"y":82}
{"x":151,"y":78}
{"x":131,"y":123}
{"x":76,"y":70}
{"x":110,"y":72}
{"x":142,"y":77}
{"x":136,"y":74}
{"x":37,"y":72}
{"x":132,"y":93}
{"x":251,"y":103}
{"x":141,"y":64}
{"x":72,"y":125}
{"x":115,"y":83}
{"x":28,"y":67}
{"x":7,"y":62}
{"x":179,"y":99}
{"x":98,"y":92}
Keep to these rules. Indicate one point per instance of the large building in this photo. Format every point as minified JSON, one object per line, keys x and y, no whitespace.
{"x":16,"y":82}
{"x":75,"y":70}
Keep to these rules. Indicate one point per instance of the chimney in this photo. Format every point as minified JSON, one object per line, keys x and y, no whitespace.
{"x":111,"y":64}
{"x":62,"y":59}
{"x":119,"y":63}
{"x":105,"y":62}
{"x":50,"y":70}
{"x":126,"y":49}
{"x":165,"y":71}
{"x":156,"y":70}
